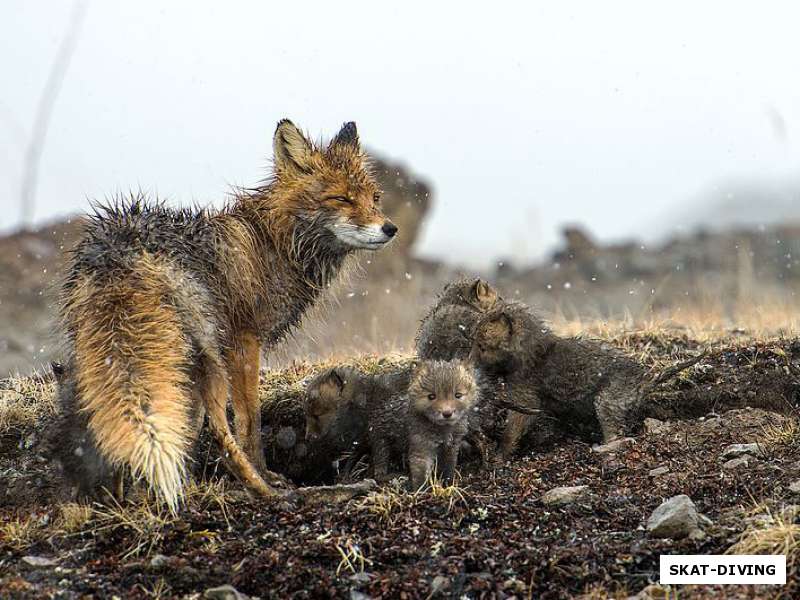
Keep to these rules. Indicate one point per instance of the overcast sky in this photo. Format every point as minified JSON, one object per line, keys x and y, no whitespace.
{"x":524,"y":116}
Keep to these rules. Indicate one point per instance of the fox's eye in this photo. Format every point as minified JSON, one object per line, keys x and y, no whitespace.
{"x":459,"y":395}
{"x":431,"y":396}
{"x":343,"y":199}
{"x":376,"y":197}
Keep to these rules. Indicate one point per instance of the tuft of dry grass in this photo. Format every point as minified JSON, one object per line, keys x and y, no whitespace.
{"x":777,"y":533}
{"x":784,"y":436}
{"x":73,"y":516}
{"x":25,"y":400}
{"x":709,"y":321}
{"x":21,"y":532}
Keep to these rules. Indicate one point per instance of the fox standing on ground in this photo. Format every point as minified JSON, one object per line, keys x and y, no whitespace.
{"x":165,"y":311}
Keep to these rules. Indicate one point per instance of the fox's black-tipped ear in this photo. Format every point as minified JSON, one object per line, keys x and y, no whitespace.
{"x":58,"y":370}
{"x":292,"y":149}
{"x":347,"y":136}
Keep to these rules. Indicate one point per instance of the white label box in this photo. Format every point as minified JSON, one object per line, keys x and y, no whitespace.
{"x":722,"y":568}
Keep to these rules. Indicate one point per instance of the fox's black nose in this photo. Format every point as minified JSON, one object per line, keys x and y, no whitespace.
{"x":447,"y":414}
{"x":389,"y":229}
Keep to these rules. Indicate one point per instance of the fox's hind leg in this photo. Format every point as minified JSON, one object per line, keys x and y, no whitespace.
{"x":244,"y":362}
{"x":214,"y":391}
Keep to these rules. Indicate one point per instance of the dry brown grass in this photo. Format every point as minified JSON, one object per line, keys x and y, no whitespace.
{"x":776,"y":533}
{"x":710,"y":322}
{"x":24,"y":400}
{"x":21,"y":532}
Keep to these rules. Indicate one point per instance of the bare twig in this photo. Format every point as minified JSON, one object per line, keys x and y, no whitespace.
{"x":44,"y":110}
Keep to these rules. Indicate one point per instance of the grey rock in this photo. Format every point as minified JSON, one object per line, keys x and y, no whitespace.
{"x":39,"y":562}
{"x":737,"y":450}
{"x":613,"y":446}
{"x":655,"y":426}
{"x":159,"y":561}
{"x":224,"y":592}
{"x":675,"y":518}
{"x":794,"y":487}
{"x":564,"y":495}
{"x":736,"y":464}
{"x":658,"y":471}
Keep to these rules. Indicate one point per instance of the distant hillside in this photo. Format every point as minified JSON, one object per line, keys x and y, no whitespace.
{"x":735,"y":204}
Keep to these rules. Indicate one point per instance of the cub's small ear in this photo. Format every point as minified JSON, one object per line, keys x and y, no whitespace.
{"x":499,"y":327}
{"x":347,"y":136}
{"x":334,"y":381}
{"x":484,"y":294}
{"x":292,"y":149}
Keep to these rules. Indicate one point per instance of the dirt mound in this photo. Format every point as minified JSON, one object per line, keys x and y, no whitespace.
{"x":491,"y":535}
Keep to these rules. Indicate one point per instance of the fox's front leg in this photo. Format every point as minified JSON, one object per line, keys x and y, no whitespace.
{"x":420,"y":461}
{"x":379,"y":449}
{"x":244,"y":364}
{"x":517,"y":426}
{"x":449,"y":461}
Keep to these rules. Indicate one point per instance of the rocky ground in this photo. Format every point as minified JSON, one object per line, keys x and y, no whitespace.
{"x":561,"y":522}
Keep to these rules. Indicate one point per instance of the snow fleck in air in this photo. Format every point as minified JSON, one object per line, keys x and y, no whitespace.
{"x":594,"y":278}
{"x":461,"y":327}
{"x":408,"y":276}
{"x":351,"y":294}
{"x":388,"y":291}
{"x":549,"y":286}
{"x":108,"y":360}
{"x":499,"y":263}
{"x":567,"y":285}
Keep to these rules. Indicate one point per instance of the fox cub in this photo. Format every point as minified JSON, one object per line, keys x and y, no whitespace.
{"x":586,"y":387}
{"x":166,"y":311}
{"x":420,"y":415}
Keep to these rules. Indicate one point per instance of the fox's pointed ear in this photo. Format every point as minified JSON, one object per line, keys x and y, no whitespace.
{"x":347,"y":136}
{"x":484,"y":294}
{"x":292,"y":149}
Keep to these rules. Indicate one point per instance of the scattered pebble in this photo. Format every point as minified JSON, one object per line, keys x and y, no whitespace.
{"x":675,"y":518}
{"x":224,"y":592}
{"x":613,"y":446}
{"x":735,"y":464}
{"x":658,"y":471}
{"x":564,"y":495}
{"x":39,"y":562}
{"x":737,"y":450}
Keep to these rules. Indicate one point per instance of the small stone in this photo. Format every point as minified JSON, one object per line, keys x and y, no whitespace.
{"x":675,"y":518}
{"x":737,"y":450}
{"x":794,"y":487}
{"x":735,"y":464}
{"x":655,"y":426}
{"x":224,"y":592}
{"x":652,"y":592}
{"x":159,"y":561}
{"x":361,"y":577}
{"x":613,"y":445}
{"x":439,"y":583}
{"x":658,"y":471}
{"x":39,"y":562}
{"x":564,"y":495}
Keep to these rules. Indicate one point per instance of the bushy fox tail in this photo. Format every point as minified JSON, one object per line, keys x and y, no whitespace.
{"x":131,"y":370}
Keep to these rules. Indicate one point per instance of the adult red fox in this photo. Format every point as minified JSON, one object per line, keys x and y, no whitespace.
{"x":165,"y":311}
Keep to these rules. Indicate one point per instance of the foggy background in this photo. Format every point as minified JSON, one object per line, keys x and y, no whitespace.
{"x":630,"y":118}
{"x":622,"y":162}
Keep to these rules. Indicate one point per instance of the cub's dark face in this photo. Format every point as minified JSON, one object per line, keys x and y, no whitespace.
{"x":442,"y":392}
{"x":492,"y":348}
{"x":323,"y":398}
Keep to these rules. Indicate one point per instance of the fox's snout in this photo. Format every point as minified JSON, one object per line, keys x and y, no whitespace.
{"x":389,"y":229}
